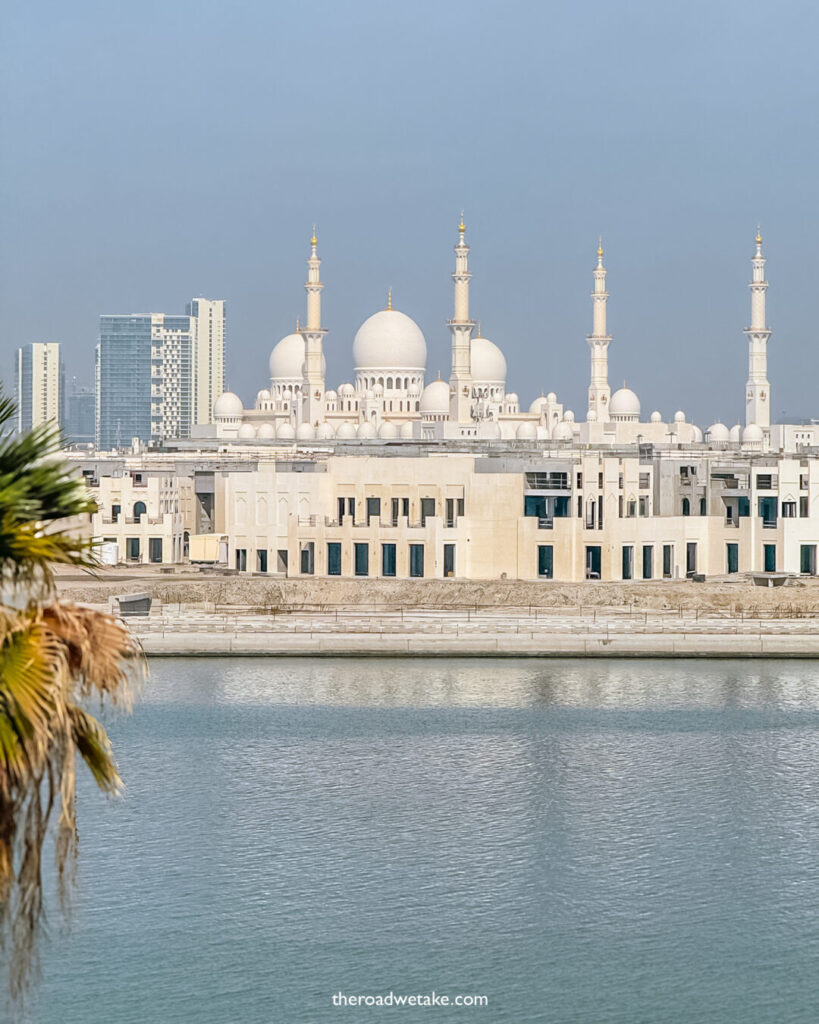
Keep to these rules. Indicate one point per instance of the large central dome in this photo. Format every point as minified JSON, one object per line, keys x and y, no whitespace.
{"x":389,"y":340}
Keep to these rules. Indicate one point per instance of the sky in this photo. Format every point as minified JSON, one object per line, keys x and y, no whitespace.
{"x":159,"y":150}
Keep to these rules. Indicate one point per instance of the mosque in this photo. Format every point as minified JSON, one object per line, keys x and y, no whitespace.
{"x":389,"y":399}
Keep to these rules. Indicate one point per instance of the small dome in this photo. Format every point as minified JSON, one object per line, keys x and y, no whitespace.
{"x":563,"y":432}
{"x":345,"y":430}
{"x":718,"y":432}
{"x":511,"y":398}
{"x":324,"y":431}
{"x":285,"y":432}
{"x":679,"y":416}
{"x":735,"y":433}
{"x":568,"y":416}
{"x":591,"y":416}
{"x":414,"y":390}
{"x":247,"y":431}
{"x":263,"y":395}
{"x":228,"y":405}
{"x":752,"y":434}
{"x":539,"y":404}
{"x":527,"y":431}
{"x":346,"y":391}
{"x":435,"y":399}
{"x":388,"y":430}
{"x":406,"y":431}
{"x":266,"y":430}
{"x":542,"y":432}
{"x":493,"y":431}
{"x":365,"y":430}
{"x":286,"y":361}
{"x":488,"y":362}
{"x":330,"y":396}
{"x":624,"y":403}
{"x":551,"y":397}
{"x":378,"y":391}
{"x":305,"y":432}
{"x":389,"y":340}
{"x":656,"y":417}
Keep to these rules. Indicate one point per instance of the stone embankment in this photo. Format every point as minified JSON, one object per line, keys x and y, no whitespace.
{"x":210,"y":614}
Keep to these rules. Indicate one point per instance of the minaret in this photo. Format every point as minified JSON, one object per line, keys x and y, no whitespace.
{"x":461,"y":327}
{"x":758,"y":390}
{"x":313,"y":334}
{"x":599,"y":390}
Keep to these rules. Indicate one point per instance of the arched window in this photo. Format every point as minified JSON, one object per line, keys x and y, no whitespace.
{"x":686,"y":507}
{"x":417,"y":406}
{"x":139,"y":509}
{"x":703,"y":506}
{"x":389,"y":383}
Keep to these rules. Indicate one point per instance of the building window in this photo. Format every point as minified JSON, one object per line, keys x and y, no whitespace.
{"x":645,"y":481}
{"x":789,"y":510}
{"x":346,"y":506}
{"x":261,"y":560}
{"x":690,"y":558}
{"x":703,"y":507}
{"x":373,"y":508}
{"x":686,"y":507}
{"x":632,"y":508}
{"x":807,"y":559}
{"x":764,"y":482}
{"x":732,"y":557}
{"x":362,"y":559}
{"x":449,"y":560}
{"x":545,"y":560}
{"x":628,"y":561}
{"x":803,"y":506}
{"x":416,"y":553}
{"x":644,"y":506}
{"x":132,"y":549}
{"x":769,"y":553}
{"x":648,"y":561}
{"x":116,"y":511}
{"x":281,"y":560}
{"x":387,"y":559}
{"x":768,"y":508}
{"x":427,"y":510}
{"x":600,"y":481}
{"x":241,"y":559}
{"x":668,"y":561}
{"x":593,"y":561}
{"x":334,"y":558}
{"x":154,"y":549}
{"x":139,"y":510}
{"x":579,"y":480}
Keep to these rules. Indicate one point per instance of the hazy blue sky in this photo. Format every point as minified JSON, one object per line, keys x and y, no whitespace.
{"x":156,"y":150}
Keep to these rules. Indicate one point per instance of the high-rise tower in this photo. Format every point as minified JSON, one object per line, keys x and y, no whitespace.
{"x":313,"y":334}
{"x":599,"y":390}
{"x":758,"y":390}
{"x":461,"y":328}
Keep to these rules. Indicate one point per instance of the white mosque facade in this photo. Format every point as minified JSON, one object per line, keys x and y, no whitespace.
{"x":389,"y":398}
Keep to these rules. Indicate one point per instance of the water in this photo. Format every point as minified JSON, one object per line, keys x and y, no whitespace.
{"x":582,"y":842}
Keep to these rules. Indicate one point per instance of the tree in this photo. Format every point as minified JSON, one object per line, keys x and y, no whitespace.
{"x":54,"y":657}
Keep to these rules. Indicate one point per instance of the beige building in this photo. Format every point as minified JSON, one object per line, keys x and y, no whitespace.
{"x":39,"y":384}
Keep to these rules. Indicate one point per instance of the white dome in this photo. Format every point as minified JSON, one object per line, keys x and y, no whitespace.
{"x":568,"y":416}
{"x":488,"y":362}
{"x":526,"y":432}
{"x":624,"y":403}
{"x":266,"y":430}
{"x":365,"y":430}
{"x":591,"y":416}
{"x":387,"y":430}
{"x":414,"y":390}
{"x":263,"y":395}
{"x":542,"y":433}
{"x":435,"y":399}
{"x":330,"y":395}
{"x":752,"y":434}
{"x":493,"y":431}
{"x":563,"y":432}
{"x":551,"y":397}
{"x":511,"y":398}
{"x":285,"y":432}
{"x":407,"y":431}
{"x":228,"y":405}
{"x":346,"y":391}
{"x":305,"y":432}
{"x":286,"y":361}
{"x":735,"y":433}
{"x":345,"y":429}
{"x":718,"y":432}
{"x":539,"y":405}
{"x":389,"y":340}
{"x":697,"y":433}
{"x":246,"y":431}
{"x":324,"y":431}
{"x":679,"y":416}
{"x":656,"y":417}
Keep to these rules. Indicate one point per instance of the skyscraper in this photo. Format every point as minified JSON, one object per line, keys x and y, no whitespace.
{"x":158,"y":373}
{"x":79,"y":413}
{"x":39,"y":384}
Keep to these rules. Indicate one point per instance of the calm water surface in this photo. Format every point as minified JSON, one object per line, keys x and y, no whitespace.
{"x":582,"y":842}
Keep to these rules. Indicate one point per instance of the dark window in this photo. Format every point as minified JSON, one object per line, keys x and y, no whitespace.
{"x":534,"y":505}
{"x":416,"y":552}
{"x":545,"y":560}
{"x":387,"y":559}
{"x":803,"y":506}
{"x":132,"y":548}
{"x":373,"y":508}
{"x":261,"y":560}
{"x":427,"y":509}
{"x":593,"y":562}
{"x":139,"y":509}
{"x":690,"y":558}
{"x":308,"y":564}
{"x":281,"y":560}
{"x":334,"y":558}
{"x":116,"y":510}
{"x":241,"y":559}
{"x":789,"y":510}
{"x":362,"y":559}
{"x":579,"y":480}
{"x":703,"y":507}
{"x":743,"y":507}
{"x":686,"y":507}
{"x":628,"y":561}
{"x":768,"y":509}
{"x":807,"y":559}
{"x":668,"y":561}
{"x":648,"y":561}
{"x":732,"y":557}
{"x":154,"y":549}
{"x":600,"y":481}
{"x":764,"y":481}
{"x":449,"y":559}
{"x":769,"y":551}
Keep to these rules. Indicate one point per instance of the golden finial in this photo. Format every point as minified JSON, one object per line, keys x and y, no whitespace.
{"x":479,"y":329}
{"x":314,"y":240}
{"x":462,"y":226}
{"x":439,"y":375}
{"x":389,"y":299}
{"x":758,"y":235}
{"x":600,"y":246}
{"x":298,"y":325}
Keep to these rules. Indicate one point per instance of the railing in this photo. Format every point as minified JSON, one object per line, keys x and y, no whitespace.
{"x":545,"y":524}
{"x":769,"y":524}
